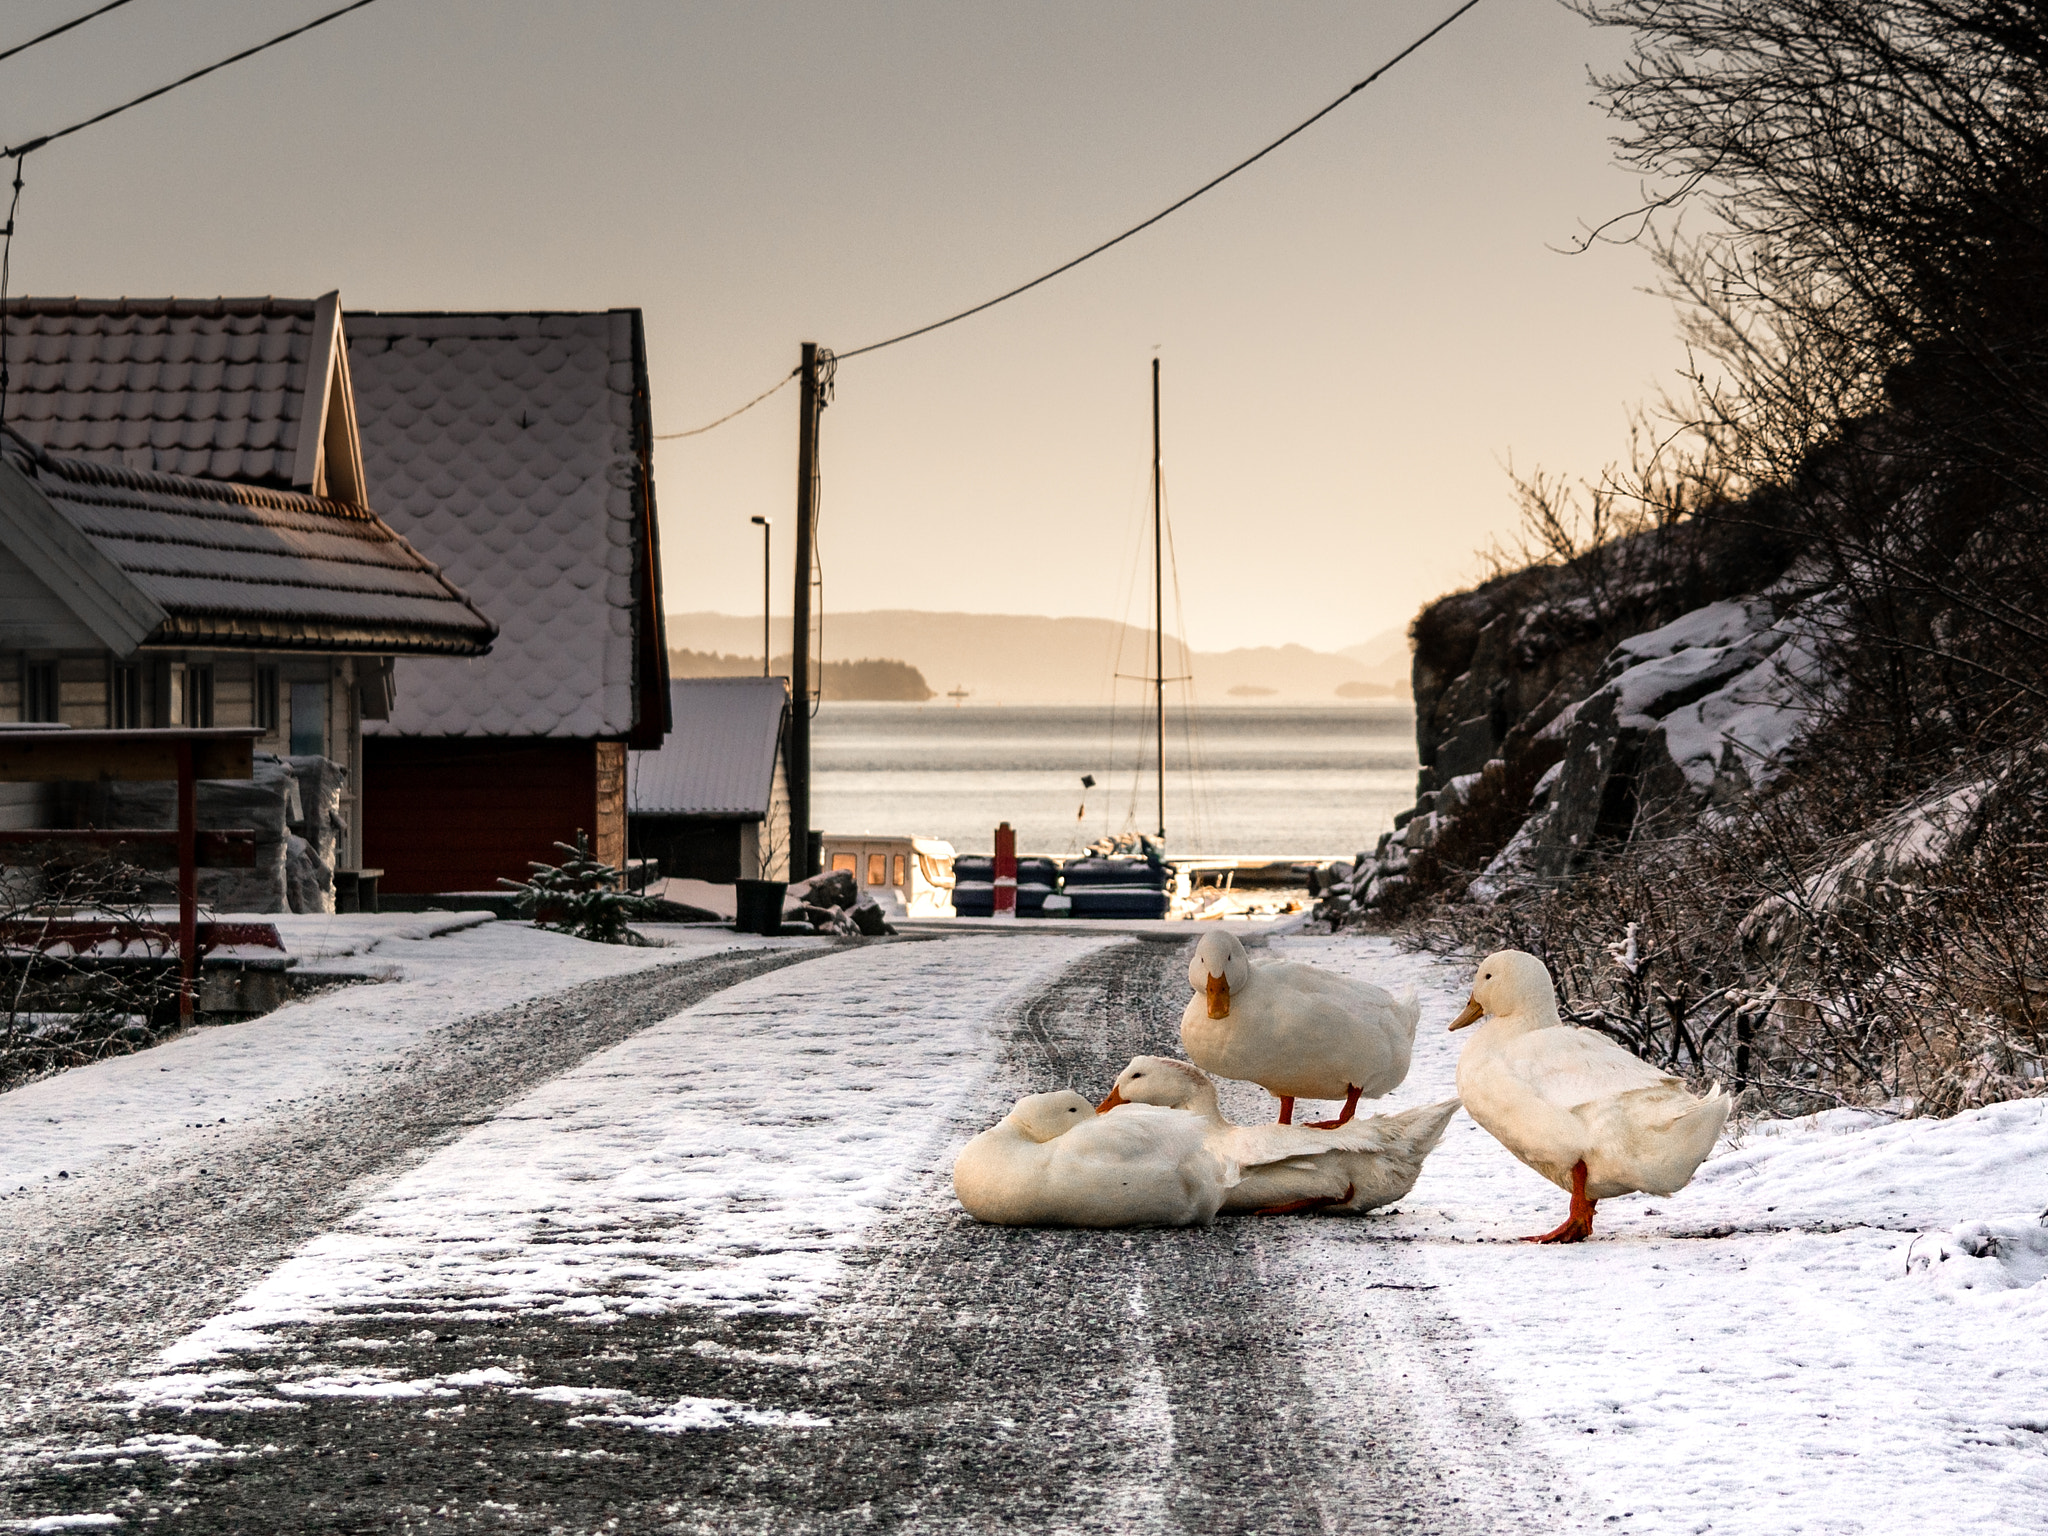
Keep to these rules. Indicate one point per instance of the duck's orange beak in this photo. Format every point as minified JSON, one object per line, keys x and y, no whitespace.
{"x":1472,"y":1015}
{"x":1115,"y":1098}
{"x":1219,"y":997}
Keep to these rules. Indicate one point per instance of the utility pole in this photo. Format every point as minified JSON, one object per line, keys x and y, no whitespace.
{"x":1158,"y":608}
{"x":767,"y":644}
{"x":798,"y":766}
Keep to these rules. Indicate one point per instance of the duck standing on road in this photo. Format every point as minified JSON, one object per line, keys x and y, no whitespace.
{"x":1296,"y":1031}
{"x":1054,"y":1162}
{"x":1572,"y":1104}
{"x":1354,"y":1168}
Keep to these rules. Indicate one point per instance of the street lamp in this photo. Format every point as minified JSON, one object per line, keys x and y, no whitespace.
{"x":767,"y":650}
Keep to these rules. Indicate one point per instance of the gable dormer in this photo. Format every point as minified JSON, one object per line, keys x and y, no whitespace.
{"x":329,"y":457}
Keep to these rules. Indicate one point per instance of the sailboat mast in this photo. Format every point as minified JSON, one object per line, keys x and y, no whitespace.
{"x":1158,"y":609}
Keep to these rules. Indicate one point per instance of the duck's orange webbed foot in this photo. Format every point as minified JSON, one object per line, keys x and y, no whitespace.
{"x":1578,"y":1226}
{"x":1350,"y":1109}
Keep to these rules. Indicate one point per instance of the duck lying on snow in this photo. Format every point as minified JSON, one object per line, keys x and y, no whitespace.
{"x":1357,"y":1167}
{"x":1572,"y":1104}
{"x":1054,"y":1162}
{"x":1294,"y":1030}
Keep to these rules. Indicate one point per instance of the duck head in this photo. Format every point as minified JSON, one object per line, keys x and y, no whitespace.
{"x":1220,"y":967}
{"x":1155,"y":1080}
{"x":1043,"y":1116}
{"x":1510,"y":981}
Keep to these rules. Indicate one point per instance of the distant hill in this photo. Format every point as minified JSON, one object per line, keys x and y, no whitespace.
{"x":869,"y":679}
{"x":1028,"y":659}
{"x":1386,"y":657}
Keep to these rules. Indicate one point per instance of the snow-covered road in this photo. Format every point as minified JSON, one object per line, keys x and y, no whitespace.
{"x":710,"y":1277}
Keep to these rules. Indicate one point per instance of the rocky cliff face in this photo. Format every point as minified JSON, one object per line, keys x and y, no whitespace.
{"x":1562,"y":707}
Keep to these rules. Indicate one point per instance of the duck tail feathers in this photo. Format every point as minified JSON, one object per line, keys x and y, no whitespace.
{"x":1409,"y":1006}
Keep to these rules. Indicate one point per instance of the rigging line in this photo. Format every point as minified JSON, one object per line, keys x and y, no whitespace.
{"x":111,"y":5}
{"x":1171,"y":208}
{"x":197,"y":74}
{"x":665,"y":437}
{"x":1201,"y":808}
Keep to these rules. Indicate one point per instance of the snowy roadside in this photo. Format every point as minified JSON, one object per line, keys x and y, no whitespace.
{"x":726,"y":1158}
{"x":1753,"y":1355}
{"x":440,"y":967}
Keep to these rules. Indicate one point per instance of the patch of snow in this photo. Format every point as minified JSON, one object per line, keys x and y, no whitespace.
{"x":65,"y":1523}
{"x":1720,"y":624}
{"x":1763,"y":714}
{"x":1998,"y":1255}
{"x":694,"y":1414}
{"x":1776,"y":1348}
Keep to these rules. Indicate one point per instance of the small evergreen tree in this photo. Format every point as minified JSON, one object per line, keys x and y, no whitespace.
{"x":580,"y":896}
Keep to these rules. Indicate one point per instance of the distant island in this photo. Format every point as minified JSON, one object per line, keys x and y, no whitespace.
{"x":869,"y":680}
{"x":1252,"y":691}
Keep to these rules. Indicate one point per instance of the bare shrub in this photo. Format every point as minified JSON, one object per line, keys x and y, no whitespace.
{"x":1920,"y":986}
{"x":63,"y":1009}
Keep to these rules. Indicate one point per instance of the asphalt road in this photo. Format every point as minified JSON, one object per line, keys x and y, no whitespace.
{"x":1267,"y":1375}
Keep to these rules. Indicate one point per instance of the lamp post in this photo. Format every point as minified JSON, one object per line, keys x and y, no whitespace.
{"x":767,"y":650}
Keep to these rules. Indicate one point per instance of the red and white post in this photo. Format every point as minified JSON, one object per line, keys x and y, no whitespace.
{"x":1006,"y":871}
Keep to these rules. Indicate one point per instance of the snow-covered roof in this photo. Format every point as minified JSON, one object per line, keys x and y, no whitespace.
{"x":513,"y":450}
{"x":719,"y":759}
{"x":141,"y":556}
{"x":248,"y":390}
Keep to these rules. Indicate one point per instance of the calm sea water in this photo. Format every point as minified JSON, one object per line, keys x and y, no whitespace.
{"x":1322,"y":779}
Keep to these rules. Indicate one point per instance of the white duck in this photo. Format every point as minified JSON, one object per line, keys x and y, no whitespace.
{"x":1358,"y":1167}
{"x":1572,"y":1104}
{"x":1054,"y":1162}
{"x":1294,"y":1030}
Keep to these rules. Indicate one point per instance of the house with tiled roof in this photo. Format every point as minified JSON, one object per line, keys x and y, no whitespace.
{"x":712,"y":802}
{"x":185,"y":534}
{"x":515,"y":450}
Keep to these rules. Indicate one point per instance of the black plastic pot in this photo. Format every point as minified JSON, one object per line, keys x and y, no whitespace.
{"x":757,"y":905}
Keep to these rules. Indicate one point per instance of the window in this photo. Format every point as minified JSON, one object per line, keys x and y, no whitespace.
{"x":842,"y":861}
{"x":309,"y":719}
{"x":174,"y":693}
{"x":124,"y":696}
{"x":878,"y":869}
{"x":39,"y":690}
{"x":266,"y":700}
{"x":902,"y":871}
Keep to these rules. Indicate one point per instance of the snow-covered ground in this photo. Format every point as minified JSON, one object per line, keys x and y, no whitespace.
{"x":435,"y":968}
{"x":726,"y":1157}
{"x":1836,"y":1328}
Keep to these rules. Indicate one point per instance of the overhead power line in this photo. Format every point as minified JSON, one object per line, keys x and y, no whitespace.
{"x":1170,"y":208}
{"x":664,"y":437}
{"x":1115,"y":240}
{"x":111,"y":5}
{"x":18,"y":150}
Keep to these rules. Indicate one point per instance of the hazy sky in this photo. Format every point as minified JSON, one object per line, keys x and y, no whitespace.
{"x":1356,"y":334}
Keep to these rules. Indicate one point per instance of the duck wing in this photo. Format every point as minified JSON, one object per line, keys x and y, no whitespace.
{"x":1399,"y":1133}
{"x":1144,"y":1135}
{"x":1568,"y":1067}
